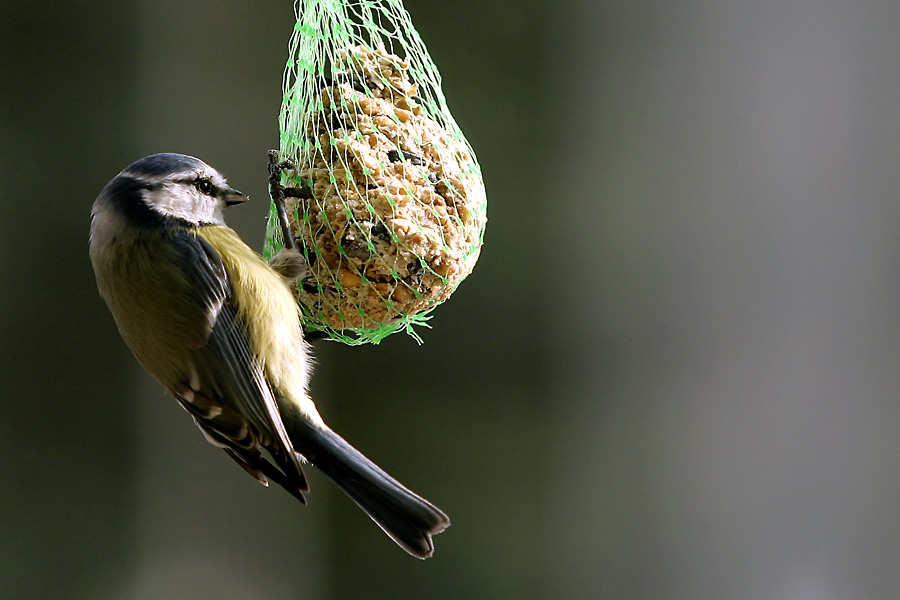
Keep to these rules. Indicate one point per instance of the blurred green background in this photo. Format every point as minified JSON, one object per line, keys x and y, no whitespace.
{"x":673,"y":374}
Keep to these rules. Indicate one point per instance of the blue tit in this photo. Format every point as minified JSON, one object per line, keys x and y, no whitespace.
{"x":218,"y":327}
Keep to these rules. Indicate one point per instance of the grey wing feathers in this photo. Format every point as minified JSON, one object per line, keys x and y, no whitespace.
{"x":406,"y":517}
{"x":227,"y":394}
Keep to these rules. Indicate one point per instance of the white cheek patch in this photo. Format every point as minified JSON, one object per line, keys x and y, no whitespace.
{"x":185,"y":203}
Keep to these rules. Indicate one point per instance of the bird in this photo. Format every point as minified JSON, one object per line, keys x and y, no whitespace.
{"x":219,"y":328}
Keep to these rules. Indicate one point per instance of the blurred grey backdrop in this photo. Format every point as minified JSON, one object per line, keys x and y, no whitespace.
{"x":673,"y":374}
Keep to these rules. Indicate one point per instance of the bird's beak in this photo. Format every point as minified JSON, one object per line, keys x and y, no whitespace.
{"x":233,"y":197}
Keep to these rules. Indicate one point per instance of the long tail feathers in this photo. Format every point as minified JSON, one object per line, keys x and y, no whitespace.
{"x":407,"y":518}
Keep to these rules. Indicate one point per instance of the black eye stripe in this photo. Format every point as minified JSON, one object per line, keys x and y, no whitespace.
{"x":203,"y":184}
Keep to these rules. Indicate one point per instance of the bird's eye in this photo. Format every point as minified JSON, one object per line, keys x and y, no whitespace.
{"x":205,"y":186}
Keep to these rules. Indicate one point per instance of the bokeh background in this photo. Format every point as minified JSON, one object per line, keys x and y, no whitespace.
{"x":673,"y":374}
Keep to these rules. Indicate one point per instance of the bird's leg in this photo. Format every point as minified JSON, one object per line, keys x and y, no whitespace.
{"x":285,"y":262}
{"x":275,"y":187}
{"x":278,"y":193}
{"x":288,"y":262}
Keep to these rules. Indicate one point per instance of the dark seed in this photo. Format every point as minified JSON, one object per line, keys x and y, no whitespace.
{"x":413,"y":159}
{"x":310,"y":257}
{"x":354,"y":245}
{"x":396,"y":156}
{"x":380,"y":231}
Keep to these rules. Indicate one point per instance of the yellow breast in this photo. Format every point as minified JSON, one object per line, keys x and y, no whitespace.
{"x":268,"y":308}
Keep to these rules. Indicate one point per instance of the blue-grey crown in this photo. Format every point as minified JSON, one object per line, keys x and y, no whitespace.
{"x":166,"y":163}
{"x":127,"y":190}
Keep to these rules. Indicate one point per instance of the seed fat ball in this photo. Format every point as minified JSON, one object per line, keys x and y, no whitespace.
{"x":393,"y":224}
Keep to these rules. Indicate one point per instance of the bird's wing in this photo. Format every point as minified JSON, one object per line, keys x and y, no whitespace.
{"x":226,"y":390}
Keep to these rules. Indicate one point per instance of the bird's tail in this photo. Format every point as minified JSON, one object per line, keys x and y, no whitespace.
{"x":409,"y":519}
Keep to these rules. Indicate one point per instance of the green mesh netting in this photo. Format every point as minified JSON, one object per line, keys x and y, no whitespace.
{"x":388,"y":205}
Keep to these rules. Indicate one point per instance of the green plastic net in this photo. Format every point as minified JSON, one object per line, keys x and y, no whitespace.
{"x":387,"y":205}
